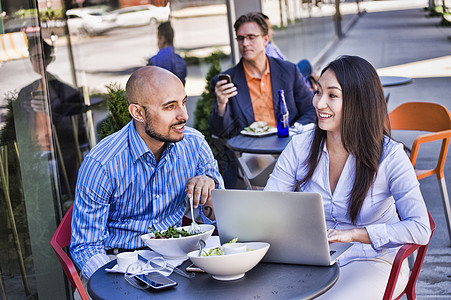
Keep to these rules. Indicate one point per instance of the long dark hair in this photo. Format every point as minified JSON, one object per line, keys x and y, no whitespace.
{"x":362,"y":125}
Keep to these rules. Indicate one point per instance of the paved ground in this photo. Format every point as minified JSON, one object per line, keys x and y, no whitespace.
{"x":406,"y":42}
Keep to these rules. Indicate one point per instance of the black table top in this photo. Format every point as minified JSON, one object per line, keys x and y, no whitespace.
{"x":387,"y":81}
{"x":264,"y":281}
{"x":270,"y":144}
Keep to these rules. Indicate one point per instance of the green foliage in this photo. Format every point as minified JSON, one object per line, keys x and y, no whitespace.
{"x":51,"y":14}
{"x":22,"y":13}
{"x":45,"y":15}
{"x":118,"y":115}
{"x":205,"y":102}
{"x":15,"y":188}
{"x":8,"y":132}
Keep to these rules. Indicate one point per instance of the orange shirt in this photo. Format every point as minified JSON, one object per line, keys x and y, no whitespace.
{"x":261,"y":96}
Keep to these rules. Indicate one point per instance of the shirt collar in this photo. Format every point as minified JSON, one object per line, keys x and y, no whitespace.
{"x":139,"y":148}
{"x":167,"y":49}
{"x":248,"y":74}
{"x":137,"y":145}
{"x":324,"y":147}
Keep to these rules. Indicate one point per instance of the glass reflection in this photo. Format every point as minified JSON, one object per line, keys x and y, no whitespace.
{"x":66,"y":107}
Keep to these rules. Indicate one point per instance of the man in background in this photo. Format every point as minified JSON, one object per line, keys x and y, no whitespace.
{"x":167,"y":58}
{"x":253,"y":93}
{"x":271,"y":49}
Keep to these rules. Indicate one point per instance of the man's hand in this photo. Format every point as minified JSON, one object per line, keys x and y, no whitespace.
{"x":223,"y":92}
{"x":199,"y":187}
{"x":348,"y":236}
{"x":38,"y":101}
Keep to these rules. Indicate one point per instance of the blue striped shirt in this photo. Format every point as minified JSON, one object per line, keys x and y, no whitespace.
{"x":122,"y":191}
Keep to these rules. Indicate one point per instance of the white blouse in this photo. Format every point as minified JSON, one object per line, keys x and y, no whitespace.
{"x":395,"y":191}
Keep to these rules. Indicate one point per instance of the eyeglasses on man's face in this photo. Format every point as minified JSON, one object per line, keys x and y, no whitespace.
{"x":250,"y":37}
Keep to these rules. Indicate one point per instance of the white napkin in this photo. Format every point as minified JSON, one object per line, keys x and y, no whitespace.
{"x":149,"y":254}
{"x":298,"y":128}
{"x":213,"y":241}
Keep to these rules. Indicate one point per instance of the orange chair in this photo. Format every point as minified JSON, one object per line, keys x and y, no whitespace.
{"x":402,"y":254}
{"x":436,"y":119}
{"x":61,"y":240}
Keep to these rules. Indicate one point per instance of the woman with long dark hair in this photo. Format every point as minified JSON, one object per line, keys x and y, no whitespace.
{"x":370,"y":192}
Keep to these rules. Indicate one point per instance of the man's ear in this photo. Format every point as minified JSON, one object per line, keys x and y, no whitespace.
{"x":266,"y":39}
{"x":136,"y":112}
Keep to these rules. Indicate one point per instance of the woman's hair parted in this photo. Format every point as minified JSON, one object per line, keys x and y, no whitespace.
{"x":362,"y":128}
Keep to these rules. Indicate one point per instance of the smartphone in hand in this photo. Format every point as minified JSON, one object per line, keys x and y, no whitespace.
{"x":225,"y":77}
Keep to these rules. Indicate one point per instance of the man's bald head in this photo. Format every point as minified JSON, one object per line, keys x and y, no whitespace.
{"x":146,"y":82}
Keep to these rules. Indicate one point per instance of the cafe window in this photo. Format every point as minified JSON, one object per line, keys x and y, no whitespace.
{"x":58,"y":60}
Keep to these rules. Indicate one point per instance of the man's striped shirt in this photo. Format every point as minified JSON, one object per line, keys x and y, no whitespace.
{"x":122,"y":191}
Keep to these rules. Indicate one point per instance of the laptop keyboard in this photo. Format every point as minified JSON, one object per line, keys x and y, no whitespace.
{"x":332,"y":252}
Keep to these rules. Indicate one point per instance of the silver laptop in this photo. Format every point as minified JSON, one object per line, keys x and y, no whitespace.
{"x":293,"y":223}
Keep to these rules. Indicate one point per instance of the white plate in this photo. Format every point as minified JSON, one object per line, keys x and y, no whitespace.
{"x":272,"y":130}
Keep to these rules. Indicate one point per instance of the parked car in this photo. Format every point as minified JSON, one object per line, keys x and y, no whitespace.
{"x":91,"y":21}
{"x":140,"y":15}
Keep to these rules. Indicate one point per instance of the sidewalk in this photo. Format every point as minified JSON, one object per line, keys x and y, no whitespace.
{"x":406,"y":42}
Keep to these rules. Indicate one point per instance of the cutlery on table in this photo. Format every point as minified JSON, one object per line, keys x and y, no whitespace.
{"x":202,"y":245}
{"x":166,"y":265}
{"x":195,"y":228}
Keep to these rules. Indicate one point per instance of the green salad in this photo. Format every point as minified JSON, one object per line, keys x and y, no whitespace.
{"x":258,"y":127}
{"x":171,"y":232}
{"x":217,"y":250}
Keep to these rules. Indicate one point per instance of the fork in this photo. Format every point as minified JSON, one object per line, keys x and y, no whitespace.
{"x":202,"y":245}
{"x":195,"y":228}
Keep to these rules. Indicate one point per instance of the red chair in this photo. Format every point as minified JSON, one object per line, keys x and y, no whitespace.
{"x":61,"y":240}
{"x":402,"y":254}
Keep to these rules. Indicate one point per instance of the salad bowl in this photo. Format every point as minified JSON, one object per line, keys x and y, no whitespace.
{"x":230,"y":266}
{"x":177,"y":247}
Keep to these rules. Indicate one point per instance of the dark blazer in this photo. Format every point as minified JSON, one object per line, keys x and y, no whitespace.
{"x":239,"y":112}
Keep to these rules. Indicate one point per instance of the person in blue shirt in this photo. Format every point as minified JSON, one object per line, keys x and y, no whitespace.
{"x":271,"y":48}
{"x":140,"y":176}
{"x":309,"y":75}
{"x":167,"y":58}
{"x":370,"y":192}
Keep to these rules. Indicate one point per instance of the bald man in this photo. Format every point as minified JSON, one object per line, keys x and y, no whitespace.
{"x":140,"y":177}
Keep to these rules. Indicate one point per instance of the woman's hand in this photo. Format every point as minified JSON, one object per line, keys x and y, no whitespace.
{"x":347,"y":236}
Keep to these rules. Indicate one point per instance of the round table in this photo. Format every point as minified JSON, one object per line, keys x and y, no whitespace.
{"x":387,"y":81}
{"x":265,"y":281}
{"x":270,"y":144}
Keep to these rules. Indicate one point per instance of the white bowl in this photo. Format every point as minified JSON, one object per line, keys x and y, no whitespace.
{"x":178,"y":247}
{"x":230,"y":266}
